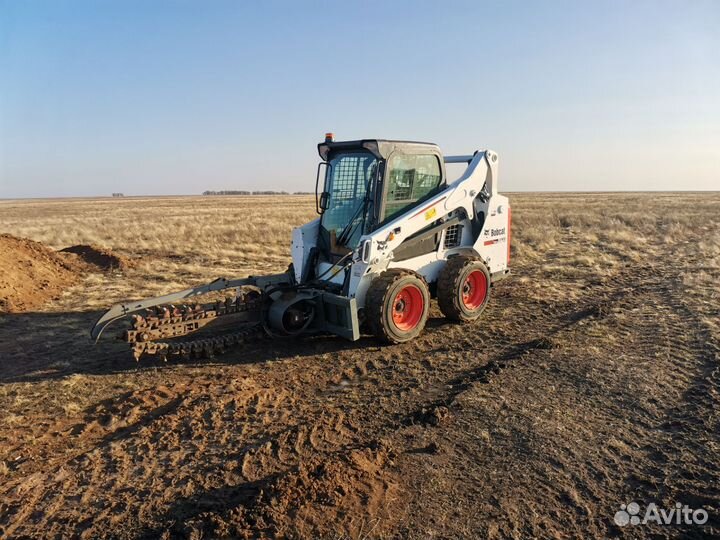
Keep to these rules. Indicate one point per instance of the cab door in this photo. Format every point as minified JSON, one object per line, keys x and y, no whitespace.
{"x":409,"y":180}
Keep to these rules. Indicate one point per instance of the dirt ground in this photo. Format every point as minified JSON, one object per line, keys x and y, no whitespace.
{"x":591,"y":381}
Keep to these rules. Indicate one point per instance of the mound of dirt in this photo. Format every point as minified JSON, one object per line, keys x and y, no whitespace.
{"x":31,"y":273}
{"x":99,"y":256}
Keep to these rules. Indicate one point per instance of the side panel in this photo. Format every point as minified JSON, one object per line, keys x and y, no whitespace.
{"x":304,"y":238}
{"x":428,"y":266}
{"x":492,"y":244}
{"x":361,"y":275}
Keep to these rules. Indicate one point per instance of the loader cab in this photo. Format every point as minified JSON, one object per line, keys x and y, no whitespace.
{"x":368,"y":183}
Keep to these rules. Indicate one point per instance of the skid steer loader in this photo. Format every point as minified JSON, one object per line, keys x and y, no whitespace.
{"x":392,"y":232}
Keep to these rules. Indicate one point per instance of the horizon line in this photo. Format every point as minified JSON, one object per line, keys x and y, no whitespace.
{"x":310,"y":193}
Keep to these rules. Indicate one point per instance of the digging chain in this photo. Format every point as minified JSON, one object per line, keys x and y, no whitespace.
{"x":147,"y":333}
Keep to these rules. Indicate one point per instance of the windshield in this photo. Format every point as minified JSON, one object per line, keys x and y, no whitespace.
{"x":349,"y":178}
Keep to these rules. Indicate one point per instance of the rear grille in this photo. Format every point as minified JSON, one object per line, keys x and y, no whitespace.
{"x":452,"y":236}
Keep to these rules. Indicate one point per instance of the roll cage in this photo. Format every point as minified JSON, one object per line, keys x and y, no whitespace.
{"x":364,"y":201}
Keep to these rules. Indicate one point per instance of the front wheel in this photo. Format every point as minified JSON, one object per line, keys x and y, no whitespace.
{"x":397,"y":306}
{"x":463,"y":288}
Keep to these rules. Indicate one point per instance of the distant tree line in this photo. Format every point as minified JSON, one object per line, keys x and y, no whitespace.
{"x":245,"y":192}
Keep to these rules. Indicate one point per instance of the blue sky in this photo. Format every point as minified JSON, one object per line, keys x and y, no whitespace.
{"x":177,"y":97}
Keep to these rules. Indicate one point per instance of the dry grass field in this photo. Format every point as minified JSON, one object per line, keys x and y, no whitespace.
{"x":592,"y":380}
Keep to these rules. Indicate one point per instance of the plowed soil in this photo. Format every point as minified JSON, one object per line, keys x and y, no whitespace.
{"x":592,"y":380}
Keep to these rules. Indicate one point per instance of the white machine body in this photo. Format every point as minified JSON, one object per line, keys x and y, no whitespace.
{"x":473,"y":198}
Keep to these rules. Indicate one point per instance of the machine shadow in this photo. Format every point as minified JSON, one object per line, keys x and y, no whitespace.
{"x":40,"y":346}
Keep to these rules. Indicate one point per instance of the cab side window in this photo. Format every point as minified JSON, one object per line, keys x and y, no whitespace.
{"x":411,"y":178}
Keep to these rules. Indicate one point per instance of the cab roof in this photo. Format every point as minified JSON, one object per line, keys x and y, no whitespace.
{"x":381,"y":148}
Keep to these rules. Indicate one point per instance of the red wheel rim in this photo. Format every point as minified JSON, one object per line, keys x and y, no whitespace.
{"x":474,"y":289}
{"x":408,"y":307}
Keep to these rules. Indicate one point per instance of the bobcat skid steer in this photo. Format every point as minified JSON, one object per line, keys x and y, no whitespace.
{"x":392,"y":233}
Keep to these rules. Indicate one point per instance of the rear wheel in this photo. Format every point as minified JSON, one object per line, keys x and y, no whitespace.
{"x":463,"y":288}
{"x":397,"y":306}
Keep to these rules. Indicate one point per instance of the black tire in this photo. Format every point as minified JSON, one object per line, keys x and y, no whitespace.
{"x":397,"y":306}
{"x":463,"y":288}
